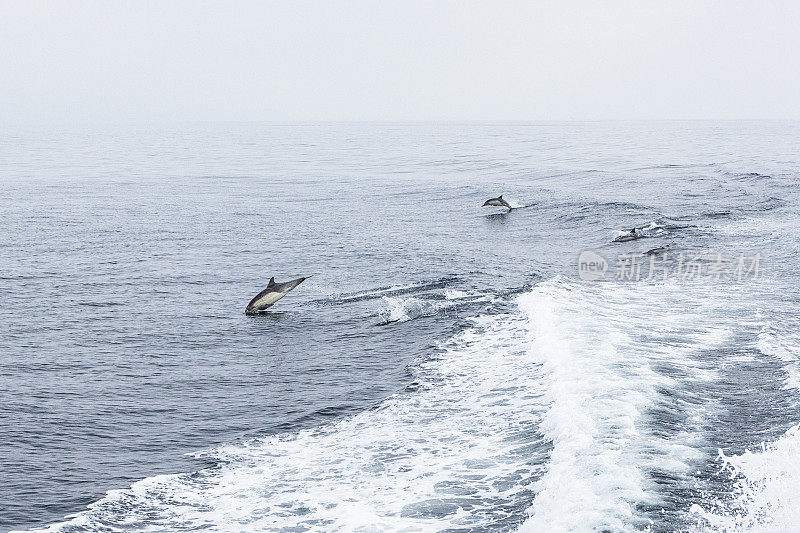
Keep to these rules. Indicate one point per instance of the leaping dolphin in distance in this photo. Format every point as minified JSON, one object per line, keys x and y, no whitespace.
{"x":497,"y":202}
{"x":630,"y":236}
{"x":270,"y":295}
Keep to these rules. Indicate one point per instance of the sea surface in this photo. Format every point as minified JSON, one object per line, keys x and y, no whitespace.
{"x":447,"y":367}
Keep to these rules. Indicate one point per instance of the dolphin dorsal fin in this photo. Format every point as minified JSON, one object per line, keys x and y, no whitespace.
{"x":271,"y":281}
{"x":500,"y":197}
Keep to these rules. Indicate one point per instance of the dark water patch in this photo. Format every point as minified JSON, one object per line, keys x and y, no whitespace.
{"x":718,"y":214}
{"x":765,"y":205}
{"x":747,"y":176}
{"x":101,"y":304}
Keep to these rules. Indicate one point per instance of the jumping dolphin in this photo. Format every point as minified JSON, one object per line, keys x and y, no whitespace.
{"x":496,"y":202}
{"x":270,"y":295}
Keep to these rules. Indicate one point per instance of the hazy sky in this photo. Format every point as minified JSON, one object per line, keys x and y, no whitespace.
{"x":392,"y":60}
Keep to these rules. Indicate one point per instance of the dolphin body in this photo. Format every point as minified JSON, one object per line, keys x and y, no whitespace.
{"x":496,"y":202}
{"x":630,"y":236}
{"x":270,"y":295}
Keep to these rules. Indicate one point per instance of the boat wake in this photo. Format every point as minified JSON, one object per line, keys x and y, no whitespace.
{"x":578,"y":412}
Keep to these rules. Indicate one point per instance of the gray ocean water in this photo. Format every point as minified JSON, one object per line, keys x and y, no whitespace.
{"x":445,"y":368}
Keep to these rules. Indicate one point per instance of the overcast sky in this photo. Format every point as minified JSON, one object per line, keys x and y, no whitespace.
{"x":398,"y":60}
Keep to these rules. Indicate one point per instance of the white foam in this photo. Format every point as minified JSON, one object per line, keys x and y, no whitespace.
{"x":402,"y":309}
{"x":786,"y":347}
{"x":602,"y":383}
{"x":767,"y":499}
{"x":460,"y":451}
{"x":405,"y":308}
{"x":455,"y":294}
